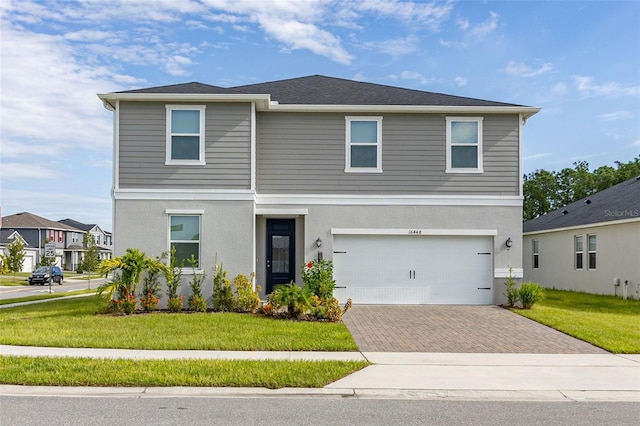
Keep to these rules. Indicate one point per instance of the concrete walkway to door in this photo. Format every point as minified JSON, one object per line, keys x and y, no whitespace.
{"x":455,"y":329}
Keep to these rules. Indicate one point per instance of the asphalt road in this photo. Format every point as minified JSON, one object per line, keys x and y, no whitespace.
{"x":30,"y":410}
{"x":10,"y":292}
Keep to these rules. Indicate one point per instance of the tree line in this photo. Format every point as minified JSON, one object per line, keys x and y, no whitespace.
{"x":546,"y":191}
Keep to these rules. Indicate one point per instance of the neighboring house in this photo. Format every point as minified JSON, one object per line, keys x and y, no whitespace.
{"x":37,"y":230}
{"x":592,"y":245}
{"x":101,"y":238}
{"x":7,"y":236}
{"x":412,"y":195}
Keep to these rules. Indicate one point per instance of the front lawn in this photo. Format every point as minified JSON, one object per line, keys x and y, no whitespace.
{"x":44,"y":296}
{"x":38,"y":371}
{"x":74,"y":323}
{"x":608,"y":322}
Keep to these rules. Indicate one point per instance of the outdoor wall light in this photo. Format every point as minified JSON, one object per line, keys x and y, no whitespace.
{"x":508,"y":243}
{"x":319,"y":242}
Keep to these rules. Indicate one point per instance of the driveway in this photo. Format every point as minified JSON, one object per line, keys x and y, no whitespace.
{"x":455,"y":329}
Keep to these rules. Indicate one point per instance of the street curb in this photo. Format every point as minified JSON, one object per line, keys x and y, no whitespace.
{"x":32,"y":302}
{"x":190,"y":392}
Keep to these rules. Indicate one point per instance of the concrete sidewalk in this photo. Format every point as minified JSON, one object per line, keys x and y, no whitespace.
{"x":558,"y":377}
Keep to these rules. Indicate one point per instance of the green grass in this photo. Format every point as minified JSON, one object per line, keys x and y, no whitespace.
{"x":44,"y":296}
{"x":608,"y":322}
{"x":10,"y":281}
{"x":73,"y":323}
{"x":39,"y":371}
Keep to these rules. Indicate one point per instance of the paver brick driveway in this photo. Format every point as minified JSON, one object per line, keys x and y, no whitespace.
{"x":455,"y":329}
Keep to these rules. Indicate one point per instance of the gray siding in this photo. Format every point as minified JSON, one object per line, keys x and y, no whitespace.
{"x":305,"y":153}
{"x":143,"y":144}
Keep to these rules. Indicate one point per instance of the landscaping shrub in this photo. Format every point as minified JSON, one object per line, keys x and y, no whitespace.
{"x":529,"y":294}
{"x":150,"y":291}
{"x":197,"y":302}
{"x":317,"y":276}
{"x":247,"y":299}
{"x":296,"y":299}
{"x":513,"y":294}
{"x":223,"y":300}
{"x":174,"y":277}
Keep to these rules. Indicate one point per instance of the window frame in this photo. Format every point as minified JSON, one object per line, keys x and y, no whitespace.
{"x":347,"y":165}
{"x":579,"y":253}
{"x":169,"y":135}
{"x":590,"y":252}
{"x":535,"y":254}
{"x":450,"y":144}
{"x":170,"y":241}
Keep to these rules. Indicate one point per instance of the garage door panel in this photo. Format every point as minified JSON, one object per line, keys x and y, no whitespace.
{"x":400,"y":269}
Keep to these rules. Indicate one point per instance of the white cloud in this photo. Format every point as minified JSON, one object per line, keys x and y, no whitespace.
{"x":20,"y":171}
{"x":49,"y":94}
{"x":432,"y":14}
{"x":414,"y":76}
{"x":559,"y":89}
{"x":520,"y":69}
{"x":636,"y":143}
{"x":535,"y":156}
{"x":460,"y":81}
{"x":613,"y":116}
{"x":587,"y":87}
{"x":487,"y":27}
{"x":88,"y":35}
{"x":394,"y":47}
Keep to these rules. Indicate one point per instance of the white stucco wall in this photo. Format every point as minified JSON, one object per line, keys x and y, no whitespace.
{"x":320,"y":219}
{"x":226,"y":230}
{"x":617,"y":256}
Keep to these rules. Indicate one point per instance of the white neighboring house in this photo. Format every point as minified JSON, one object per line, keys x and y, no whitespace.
{"x":7,"y":236}
{"x":591,"y":245}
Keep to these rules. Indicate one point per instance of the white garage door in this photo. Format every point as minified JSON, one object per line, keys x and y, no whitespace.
{"x":420,"y":269}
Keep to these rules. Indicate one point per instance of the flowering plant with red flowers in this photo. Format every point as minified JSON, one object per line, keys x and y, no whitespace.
{"x":318,"y":278}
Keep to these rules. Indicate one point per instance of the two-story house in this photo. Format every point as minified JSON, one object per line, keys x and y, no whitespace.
{"x":416,"y":197}
{"x":37,"y":230}
{"x":102,"y":239}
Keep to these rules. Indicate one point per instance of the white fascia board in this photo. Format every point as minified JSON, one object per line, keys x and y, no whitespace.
{"x":429,"y":109}
{"x":506,"y":272}
{"x":184,"y":195}
{"x":389,"y":200}
{"x":262,"y":101}
{"x":281,"y":212}
{"x":585,"y":226}
{"x":184,"y":211}
{"x":415,"y":232}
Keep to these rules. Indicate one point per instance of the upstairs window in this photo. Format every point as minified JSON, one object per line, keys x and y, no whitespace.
{"x":185,"y":135}
{"x":363,"y":151}
{"x":579,"y":252}
{"x":592,"y":251}
{"x":464,"y":145}
{"x":535,"y":249}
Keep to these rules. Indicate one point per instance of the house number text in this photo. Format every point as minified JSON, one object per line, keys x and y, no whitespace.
{"x":415,"y":231}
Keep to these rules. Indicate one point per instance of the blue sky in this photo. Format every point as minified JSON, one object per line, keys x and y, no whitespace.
{"x":577,"y":60}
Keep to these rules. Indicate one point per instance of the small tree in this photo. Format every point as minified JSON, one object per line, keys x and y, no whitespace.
{"x":15,"y":259}
{"x":91,"y":258}
{"x":174,"y":278}
{"x":197,"y":302}
{"x":130,"y":268}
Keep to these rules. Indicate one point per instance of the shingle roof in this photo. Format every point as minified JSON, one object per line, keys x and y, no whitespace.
{"x":322,"y":90}
{"x":77,"y":225}
{"x":30,"y":220}
{"x":193,"y":87}
{"x":621,"y":201}
{"x":5,"y":235}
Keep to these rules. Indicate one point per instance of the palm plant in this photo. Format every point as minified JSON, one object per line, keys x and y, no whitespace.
{"x":296,"y":299}
{"x":130,"y":268}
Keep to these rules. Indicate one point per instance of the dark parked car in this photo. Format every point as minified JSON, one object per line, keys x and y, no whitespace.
{"x":41,"y":275}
